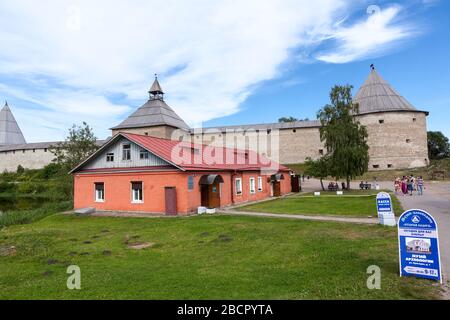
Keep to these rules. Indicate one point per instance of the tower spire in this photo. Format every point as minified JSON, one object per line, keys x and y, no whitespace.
{"x":156,"y":93}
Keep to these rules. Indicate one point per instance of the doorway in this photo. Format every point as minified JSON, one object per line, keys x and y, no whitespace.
{"x":210,"y":191}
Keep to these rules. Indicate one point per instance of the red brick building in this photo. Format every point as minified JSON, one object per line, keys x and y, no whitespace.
{"x":141,"y":173}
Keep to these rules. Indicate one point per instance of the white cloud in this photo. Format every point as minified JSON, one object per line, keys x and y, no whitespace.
{"x":369,"y":38}
{"x":73,"y":54}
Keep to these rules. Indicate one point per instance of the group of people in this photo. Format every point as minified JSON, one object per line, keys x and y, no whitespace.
{"x":409,"y":184}
{"x":334,"y":186}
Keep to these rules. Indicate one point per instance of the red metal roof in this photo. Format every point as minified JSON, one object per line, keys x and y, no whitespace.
{"x":190,"y":156}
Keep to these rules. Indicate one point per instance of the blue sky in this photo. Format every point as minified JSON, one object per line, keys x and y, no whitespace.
{"x":76,"y":61}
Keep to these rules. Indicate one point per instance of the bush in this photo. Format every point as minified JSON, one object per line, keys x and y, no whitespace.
{"x":27,"y":216}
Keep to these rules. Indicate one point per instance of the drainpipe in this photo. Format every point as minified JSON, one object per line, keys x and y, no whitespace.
{"x":232,"y":186}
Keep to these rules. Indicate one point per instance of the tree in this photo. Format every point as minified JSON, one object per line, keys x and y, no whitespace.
{"x":291,"y":119}
{"x":79,"y":144}
{"x":287,"y":119}
{"x":318,"y":168}
{"x":438,"y":145}
{"x":344,"y":137}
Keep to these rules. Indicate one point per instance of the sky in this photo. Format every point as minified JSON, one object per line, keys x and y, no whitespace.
{"x":219,"y":63}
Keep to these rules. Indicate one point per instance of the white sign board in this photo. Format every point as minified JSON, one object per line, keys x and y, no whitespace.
{"x":385,"y":210}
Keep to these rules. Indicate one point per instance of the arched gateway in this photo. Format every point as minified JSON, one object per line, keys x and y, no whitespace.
{"x":210,"y":190}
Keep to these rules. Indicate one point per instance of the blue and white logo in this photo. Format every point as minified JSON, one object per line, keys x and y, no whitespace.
{"x":419,"y":245}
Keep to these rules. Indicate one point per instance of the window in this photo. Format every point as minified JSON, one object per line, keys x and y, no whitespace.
{"x":376,"y":166}
{"x":238,"y":185}
{"x":126,"y":152}
{"x":269,"y":131}
{"x":389,"y":165}
{"x":34,"y":150}
{"x":294,"y":131}
{"x":144,"y":154}
{"x":252,"y":185}
{"x":99,"y":192}
{"x":110,"y":157}
{"x":408,"y":140}
{"x":23,"y":151}
{"x":191,"y":183}
{"x":260,"y":184}
{"x":146,"y":133}
{"x":136,"y":192}
{"x":414,"y":119}
{"x":45,"y":150}
{"x":381,"y":121}
{"x":321,"y":152}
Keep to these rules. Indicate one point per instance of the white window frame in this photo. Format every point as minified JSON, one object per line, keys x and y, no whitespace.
{"x":97,"y":199}
{"x":240,"y":186}
{"x":144,"y":154}
{"x":109,"y":154}
{"x":133,"y":200}
{"x":252,"y":185}
{"x":123,"y":151}
{"x":260,"y":184}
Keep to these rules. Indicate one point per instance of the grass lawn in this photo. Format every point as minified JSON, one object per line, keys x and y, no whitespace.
{"x":358,"y":205}
{"x":205,"y":257}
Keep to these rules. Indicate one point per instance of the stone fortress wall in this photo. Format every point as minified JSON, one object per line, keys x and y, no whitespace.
{"x":397,"y":132}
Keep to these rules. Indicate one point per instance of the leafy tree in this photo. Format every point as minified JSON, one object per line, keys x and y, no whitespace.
{"x":438,"y":145}
{"x":318,"y":168}
{"x":20,"y":169}
{"x":287,"y":119}
{"x":79,"y":144}
{"x":344,"y":137}
{"x":291,"y":119}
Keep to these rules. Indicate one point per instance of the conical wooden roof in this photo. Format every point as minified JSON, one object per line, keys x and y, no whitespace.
{"x":377,"y":95}
{"x":10,"y":132}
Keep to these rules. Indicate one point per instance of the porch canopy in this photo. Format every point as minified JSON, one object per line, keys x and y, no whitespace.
{"x":210,"y":179}
{"x":276,"y":177}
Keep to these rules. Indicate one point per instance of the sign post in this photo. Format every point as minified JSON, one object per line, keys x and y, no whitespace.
{"x":419,"y":245}
{"x":384,"y":209}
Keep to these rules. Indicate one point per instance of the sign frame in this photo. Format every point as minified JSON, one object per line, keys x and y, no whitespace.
{"x":433,"y":234}
{"x":385,"y":210}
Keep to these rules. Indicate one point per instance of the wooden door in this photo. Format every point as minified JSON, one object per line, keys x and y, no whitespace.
{"x":276,"y":189}
{"x":295,"y":183}
{"x":214,"y":195}
{"x":171,"y":201}
{"x":204,"y":193}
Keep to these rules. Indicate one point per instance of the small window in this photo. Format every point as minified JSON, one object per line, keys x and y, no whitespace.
{"x":34,"y":150}
{"x":110,"y":157}
{"x":14,"y":151}
{"x":252,"y":186}
{"x":389,"y":165}
{"x":414,"y":119}
{"x":381,"y":121}
{"x":269,"y":131}
{"x":136,"y":192}
{"x":99,"y":192}
{"x":45,"y":150}
{"x":260,"y":184}
{"x":238,"y":186}
{"x":23,"y":151}
{"x":126,"y":152}
{"x":294,"y":131}
{"x":191,"y":183}
{"x":144,"y":154}
{"x":376,"y":166}
{"x":408,"y":140}
{"x":321,"y":152}
{"x":146,"y":133}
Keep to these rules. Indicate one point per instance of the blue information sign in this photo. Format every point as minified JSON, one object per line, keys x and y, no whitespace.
{"x":419,"y":245}
{"x":384,"y":202}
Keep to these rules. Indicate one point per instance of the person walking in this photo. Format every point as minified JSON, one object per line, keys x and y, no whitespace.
{"x":420,"y":185}
{"x":411,"y":186}
{"x":404,"y":185}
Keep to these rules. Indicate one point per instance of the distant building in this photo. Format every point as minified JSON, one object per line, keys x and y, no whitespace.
{"x":397,"y":132}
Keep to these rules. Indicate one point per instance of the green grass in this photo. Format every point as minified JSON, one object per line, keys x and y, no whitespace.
{"x":206,"y":257}
{"x":327,"y":204}
{"x":9,"y":218}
